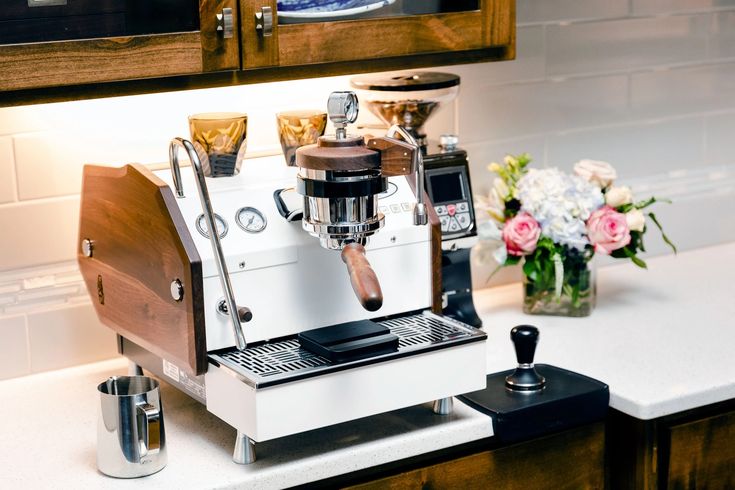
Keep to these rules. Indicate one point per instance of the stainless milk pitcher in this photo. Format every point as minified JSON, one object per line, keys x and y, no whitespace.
{"x":130,"y":435}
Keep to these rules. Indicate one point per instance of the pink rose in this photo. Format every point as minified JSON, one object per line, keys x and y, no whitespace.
{"x":608,"y":230}
{"x":521,"y":234}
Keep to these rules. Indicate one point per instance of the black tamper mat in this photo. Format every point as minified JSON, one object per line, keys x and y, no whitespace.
{"x":349,"y":341}
{"x":567,"y":400}
{"x":531,"y":401}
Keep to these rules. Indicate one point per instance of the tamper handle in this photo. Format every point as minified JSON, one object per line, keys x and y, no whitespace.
{"x":525,"y":338}
{"x":362,"y":276}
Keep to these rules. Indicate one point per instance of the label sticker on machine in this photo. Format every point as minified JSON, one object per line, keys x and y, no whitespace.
{"x":189,"y":383}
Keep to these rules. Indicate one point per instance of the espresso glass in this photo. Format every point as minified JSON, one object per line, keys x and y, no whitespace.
{"x":220,"y":139}
{"x":299,"y":128}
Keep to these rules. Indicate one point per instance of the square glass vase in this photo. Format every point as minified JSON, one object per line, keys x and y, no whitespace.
{"x":576,"y":298}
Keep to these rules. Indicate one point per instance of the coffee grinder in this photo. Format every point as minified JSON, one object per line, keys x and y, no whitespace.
{"x":409,"y":100}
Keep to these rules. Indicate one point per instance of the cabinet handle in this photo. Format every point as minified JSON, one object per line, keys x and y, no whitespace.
{"x":45,"y":3}
{"x":264,"y":21}
{"x":225,"y":23}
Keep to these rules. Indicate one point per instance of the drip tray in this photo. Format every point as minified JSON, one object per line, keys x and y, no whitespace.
{"x":283,"y":361}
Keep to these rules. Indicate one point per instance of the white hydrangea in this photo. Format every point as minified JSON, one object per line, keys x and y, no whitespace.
{"x":561,"y":204}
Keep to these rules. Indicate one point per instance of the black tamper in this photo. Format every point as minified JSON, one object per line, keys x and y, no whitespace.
{"x":525,"y":378}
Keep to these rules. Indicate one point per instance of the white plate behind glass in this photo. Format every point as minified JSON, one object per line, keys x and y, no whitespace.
{"x":332,"y":10}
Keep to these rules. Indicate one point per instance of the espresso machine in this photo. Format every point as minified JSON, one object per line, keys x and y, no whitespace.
{"x":281,"y":326}
{"x":408,"y":100}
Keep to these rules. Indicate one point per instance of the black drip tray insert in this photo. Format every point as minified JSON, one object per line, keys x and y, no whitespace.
{"x":349,"y":341}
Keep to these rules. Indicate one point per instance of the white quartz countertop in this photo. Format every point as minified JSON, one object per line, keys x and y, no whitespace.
{"x":48,"y":426}
{"x":663,"y":339}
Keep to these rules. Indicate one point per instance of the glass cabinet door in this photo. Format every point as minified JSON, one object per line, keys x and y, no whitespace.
{"x":305,"y":11}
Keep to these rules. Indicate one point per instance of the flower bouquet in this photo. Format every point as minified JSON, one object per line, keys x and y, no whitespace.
{"x":554,"y":223}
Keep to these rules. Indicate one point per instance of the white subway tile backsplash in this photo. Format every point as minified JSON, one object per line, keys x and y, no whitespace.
{"x":720,"y":139}
{"x":7,"y":171}
{"x":514,"y":111}
{"x":722,"y":35}
{"x":535,"y":11}
{"x":648,"y":7}
{"x":68,"y":336}
{"x":528,"y":65}
{"x":634,"y":150}
{"x":39,"y":232}
{"x":682,"y":91}
{"x":13,"y":347}
{"x":625,"y":44}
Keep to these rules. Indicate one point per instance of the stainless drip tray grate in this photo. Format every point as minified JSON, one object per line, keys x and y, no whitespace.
{"x":284,"y":360}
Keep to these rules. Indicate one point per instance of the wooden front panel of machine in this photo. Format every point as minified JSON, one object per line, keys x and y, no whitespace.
{"x":140,"y":245}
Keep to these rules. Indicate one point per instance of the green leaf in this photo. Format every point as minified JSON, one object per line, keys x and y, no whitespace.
{"x":651,"y":200}
{"x":631,"y":255}
{"x":661,"y":229}
{"x":529,"y":268}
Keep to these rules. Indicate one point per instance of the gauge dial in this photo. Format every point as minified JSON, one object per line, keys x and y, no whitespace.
{"x":203,"y":229}
{"x":251,"y":220}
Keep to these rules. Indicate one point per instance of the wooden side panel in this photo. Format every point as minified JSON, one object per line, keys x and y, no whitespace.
{"x":140,"y":245}
{"x":500,"y":26}
{"x":25,"y":66}
{"x":570,"y":460}
{"x":219,"y":53}
{"x":702,"y":453}
{"x":258,"y":51}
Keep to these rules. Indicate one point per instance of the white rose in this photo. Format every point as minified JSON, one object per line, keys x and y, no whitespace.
{"x":617,"y":196}
{"x":635,"y":219}
{"x":501,"y":188}
{"x":600,"y":173}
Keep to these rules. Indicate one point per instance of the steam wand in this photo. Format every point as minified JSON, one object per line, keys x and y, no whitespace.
{"x":242,"y":314}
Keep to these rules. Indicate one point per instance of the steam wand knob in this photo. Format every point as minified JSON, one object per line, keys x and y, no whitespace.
{"x":525,"y":378}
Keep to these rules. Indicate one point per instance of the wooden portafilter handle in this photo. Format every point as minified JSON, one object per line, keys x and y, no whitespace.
{"x":362,"y":276}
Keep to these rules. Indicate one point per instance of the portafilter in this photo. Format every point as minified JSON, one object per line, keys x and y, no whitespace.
{"x":340,"y":178}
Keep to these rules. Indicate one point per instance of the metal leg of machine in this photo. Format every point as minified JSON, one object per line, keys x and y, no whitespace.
{"x":244,"y":449}
{"x":443,"y":406}
{"x":134,"y":369}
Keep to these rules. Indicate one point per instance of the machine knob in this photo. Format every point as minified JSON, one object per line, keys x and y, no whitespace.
{"x":448,"y":142}
{"x":244,"y":313}
{"x":525,"y":378}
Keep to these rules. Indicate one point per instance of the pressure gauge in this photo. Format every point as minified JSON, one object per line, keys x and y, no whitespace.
{"x":251,"y":220}
{"x":201,"y":224}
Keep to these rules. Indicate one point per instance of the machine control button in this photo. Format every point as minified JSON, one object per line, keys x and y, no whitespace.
{"x":463,"y":207}
{"x":463,"y":219}
{"x":453,"y":225}
{"x":451,"y":209}
{"x":406,"y":206}
{"x":396,"y":208}
{"x":441,"y":210}
{"x":384,"y":209}
{"x":445,"y":222}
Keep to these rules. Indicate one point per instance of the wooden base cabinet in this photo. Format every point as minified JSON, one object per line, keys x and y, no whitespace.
{"x":573,"y":459}
{"x":689,"y":450}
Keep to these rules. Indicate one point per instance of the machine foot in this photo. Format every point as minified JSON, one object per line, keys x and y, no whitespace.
{"x":244,"y":449}
{"x":134,"y":369}
{"x":443,"y":406}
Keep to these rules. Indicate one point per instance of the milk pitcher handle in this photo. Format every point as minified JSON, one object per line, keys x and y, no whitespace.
{"x":150,"y":433}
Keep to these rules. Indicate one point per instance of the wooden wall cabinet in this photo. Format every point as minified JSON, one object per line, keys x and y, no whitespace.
{"x":34,"y":72}
{"x":319,"y":42}
{"x":85,"y":61}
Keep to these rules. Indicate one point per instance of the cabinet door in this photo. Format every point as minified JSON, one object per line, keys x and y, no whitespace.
{"x":702,"y":453}
{"x":324,"y":31}
{"x":67,"y":42}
